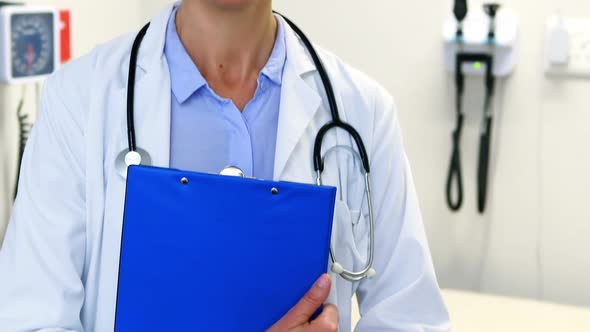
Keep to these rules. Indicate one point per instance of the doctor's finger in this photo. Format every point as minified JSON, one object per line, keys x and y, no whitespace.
{"x":313,"y":300}
{"x":327,"y":321}
{"x":308,"y":305}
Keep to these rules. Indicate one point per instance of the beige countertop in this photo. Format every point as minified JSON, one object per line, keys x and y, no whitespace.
{"x":473,"y":312}
{"x":487,"y":313}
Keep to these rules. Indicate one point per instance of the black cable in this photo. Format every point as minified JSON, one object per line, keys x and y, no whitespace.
{"x":460,"y":10}
{"x":485,"y":142}
{"x":455,"y":176}
{"x":483,"y":167}
{"x":24,"y":131}
{"x":9,"y":3}
{"x":486,"y":135}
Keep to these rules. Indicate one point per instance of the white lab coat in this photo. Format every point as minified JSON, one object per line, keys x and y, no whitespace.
{"x":59,"y":263}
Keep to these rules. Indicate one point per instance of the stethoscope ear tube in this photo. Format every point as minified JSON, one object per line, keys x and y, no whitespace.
{"x":319,"y":66}
{"x":336,"y":121}
{"x":131,"y":88}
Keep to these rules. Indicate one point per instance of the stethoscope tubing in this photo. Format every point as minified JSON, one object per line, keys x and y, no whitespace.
{"x":131,"y":88}
{"x":133,"y":156}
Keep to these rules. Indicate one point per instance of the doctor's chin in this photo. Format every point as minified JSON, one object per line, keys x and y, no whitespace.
{"x":294,"y":166}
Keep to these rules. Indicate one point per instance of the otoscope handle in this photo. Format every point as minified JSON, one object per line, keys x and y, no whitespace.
{"x":492,"y":10}
{"x":460,"y":10}
{"x":484,"y":165}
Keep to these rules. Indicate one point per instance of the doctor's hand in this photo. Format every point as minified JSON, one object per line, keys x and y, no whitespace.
{"x":298,"y":318}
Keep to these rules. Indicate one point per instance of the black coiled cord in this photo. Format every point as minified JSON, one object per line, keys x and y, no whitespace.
{"x":455,"y":177}
{"x":485,"y":143}
{"x":455,"y":174}
{"x":24,"y":129}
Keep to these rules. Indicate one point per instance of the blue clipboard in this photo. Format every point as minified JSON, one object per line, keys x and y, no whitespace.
{"x":203,"y":252}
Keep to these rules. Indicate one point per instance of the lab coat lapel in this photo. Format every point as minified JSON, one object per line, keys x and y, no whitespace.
{"x":153,"y":94}
{"x":299,"y":101}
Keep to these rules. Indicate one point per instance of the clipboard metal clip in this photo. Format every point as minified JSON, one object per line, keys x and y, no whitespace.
{"x":233,"y":171}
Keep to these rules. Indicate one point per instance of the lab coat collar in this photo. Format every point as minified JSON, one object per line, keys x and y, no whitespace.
{"x":153,"y":93}
{"x":299,"y":100}
{"x":152,"y":48}
{"x":297,"y":55}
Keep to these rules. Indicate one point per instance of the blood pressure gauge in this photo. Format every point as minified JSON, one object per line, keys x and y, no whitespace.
{"x":29,"y":45}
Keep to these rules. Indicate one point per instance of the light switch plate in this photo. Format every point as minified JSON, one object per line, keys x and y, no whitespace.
{"x":578,"y":64}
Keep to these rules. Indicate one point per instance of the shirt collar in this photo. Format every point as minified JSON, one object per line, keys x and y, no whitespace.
{"x":273,"y":69}
{"x":186,"y":78}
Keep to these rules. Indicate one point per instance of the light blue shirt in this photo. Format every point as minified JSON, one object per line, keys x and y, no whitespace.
{"x":209,"y":133}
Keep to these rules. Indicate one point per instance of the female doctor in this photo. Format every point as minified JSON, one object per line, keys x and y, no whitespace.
{"x":219,"y":82}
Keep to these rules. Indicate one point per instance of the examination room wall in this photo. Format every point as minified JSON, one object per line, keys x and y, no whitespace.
{"x":93,"y":22}
{"x":533,"y":241}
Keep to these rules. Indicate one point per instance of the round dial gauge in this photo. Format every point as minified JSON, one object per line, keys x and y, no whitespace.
{"x":33,"y":43}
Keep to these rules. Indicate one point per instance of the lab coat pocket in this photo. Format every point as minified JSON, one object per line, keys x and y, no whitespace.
{"x":349,"y":236}
{"x":360,"y":231}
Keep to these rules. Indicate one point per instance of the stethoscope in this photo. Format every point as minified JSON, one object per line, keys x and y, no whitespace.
{"x":135,"y":156}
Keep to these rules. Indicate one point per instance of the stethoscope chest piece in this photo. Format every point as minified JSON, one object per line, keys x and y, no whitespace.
{"x":132,"y":158}
{"x":128,"y":158}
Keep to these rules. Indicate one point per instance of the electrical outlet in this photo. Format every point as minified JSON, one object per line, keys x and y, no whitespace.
{"x":578,"y":61}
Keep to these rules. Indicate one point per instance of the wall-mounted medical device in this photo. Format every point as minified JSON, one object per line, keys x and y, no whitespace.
{"x":29,"y":43}
{"x":568,"y":47}
{"x":479,"y":42}
{"x":34,"y":41}
{"x":471,"y":33}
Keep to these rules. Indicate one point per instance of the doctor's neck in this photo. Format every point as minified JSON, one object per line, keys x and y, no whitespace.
{"x":229,"y":40}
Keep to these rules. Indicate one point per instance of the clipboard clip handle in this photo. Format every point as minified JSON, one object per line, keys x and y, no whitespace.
{"x":232,"y":171}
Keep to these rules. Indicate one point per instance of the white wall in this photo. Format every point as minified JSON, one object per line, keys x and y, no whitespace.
{"x":149,"y":8}
{"x":541,"y":157}
{"x":540,"y":184}
{"x":533,"y":241}
{"x":93,"y":22}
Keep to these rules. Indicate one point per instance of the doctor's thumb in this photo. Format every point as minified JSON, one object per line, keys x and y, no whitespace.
{"x":307,"y":306}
